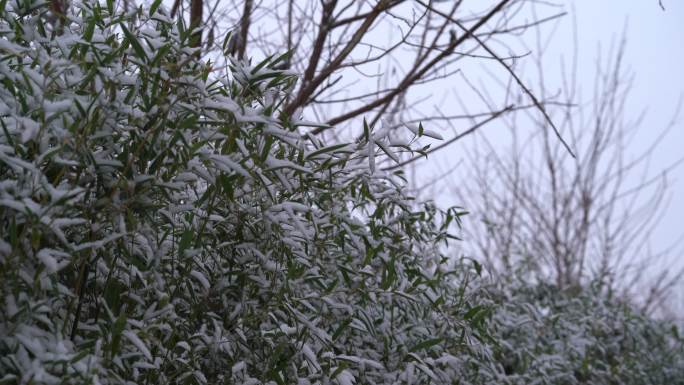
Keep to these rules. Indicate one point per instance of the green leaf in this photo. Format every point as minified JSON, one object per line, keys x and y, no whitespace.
{"x":117,"y":329}
{"x":185,"y":241}
{"x":189,"y":122}
{"x":366,"y":131}
{"x":8,"y":136}
{"x":267,"y":148}
{"x":387,"y":151}
{"x":472,"y":312}
{"x":281,"y":58}
{"x":426,"y":344}
{"x":389,"y":275}
{"x":476,"y":315}
{"x":326,"y":149}
{"x":89,"y":30}
{"x":261,"y":65}
{"x":137,"y":47}
{"x":80,"y":355}
{"x":13,"y":233}
{"x":226,"y":40}
{"x":478,"y":267}
{"x":154,"y":6}
{"x":343,"y":366}
{"x":311,"y":124}
{"x":265,"y":76}
{"x":9,"y":379}
{"x":161,"y":53}
{"x":341,"y":328}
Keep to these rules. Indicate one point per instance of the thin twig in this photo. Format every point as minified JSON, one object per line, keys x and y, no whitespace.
{"x":416,"y":75}
{"x":510,"y":71}
{"x":450,"y":141}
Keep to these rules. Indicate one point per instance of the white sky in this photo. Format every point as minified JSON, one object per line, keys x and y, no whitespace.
{"x":655,"y":57}
{"x":655,"y":53}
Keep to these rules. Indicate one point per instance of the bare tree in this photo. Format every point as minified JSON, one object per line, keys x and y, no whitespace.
{"x":369,"y":59}
{"x":572,"y":219}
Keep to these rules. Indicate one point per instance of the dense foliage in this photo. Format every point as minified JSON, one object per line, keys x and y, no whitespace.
{"x":162,"y":223}
{"x":579,"y":335}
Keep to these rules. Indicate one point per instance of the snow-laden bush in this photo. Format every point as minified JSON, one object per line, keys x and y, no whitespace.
{"x":161,"y":223}
{"x":581,"y":335}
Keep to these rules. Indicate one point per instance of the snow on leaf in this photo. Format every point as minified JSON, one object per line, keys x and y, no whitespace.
{"x":135,"y":340}
{"x":416,"y":130}
{"x":345,"y":377}
{"x":311,"y":356}
{"x":54,"y":260}
{"x":201,"y":279}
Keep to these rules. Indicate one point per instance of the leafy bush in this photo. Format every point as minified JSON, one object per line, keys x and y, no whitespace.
{"x":162,"y":224}
{"x":580,"y":335}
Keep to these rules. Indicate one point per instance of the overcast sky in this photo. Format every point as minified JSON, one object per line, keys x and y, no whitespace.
{"x":655,"y":52}
{"x":655,"y":55}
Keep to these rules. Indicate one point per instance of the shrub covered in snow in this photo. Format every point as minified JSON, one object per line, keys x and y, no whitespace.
{"x":161,"y":223}
{"x":581,"y":335}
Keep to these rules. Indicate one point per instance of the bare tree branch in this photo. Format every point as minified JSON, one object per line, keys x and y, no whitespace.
{"x":414,"y":76}
{"x":510,"y":71}
{"x":469,"y":131}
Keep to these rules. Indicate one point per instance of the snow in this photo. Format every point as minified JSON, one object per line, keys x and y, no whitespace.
{"x":29,"y":127}
{"x":135,"y":340}
{"x":55,"y":107}
{"x":226,"y":164}
{"x":275,"y":163}
{"x":238,"y":367}
{"x":13,"y":49}
{"x":429,"y":133}
{"x":371,"y":156}
{"x":311,"y":356}
{"x":201,"y":279}
{"x":51,"y":259}
{"x":345,"y":377}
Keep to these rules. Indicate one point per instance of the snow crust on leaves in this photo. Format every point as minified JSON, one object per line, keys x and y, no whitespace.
{"x":161,"y":223}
